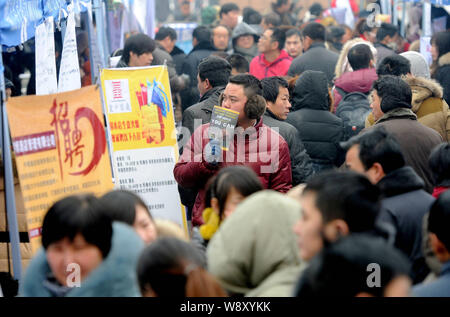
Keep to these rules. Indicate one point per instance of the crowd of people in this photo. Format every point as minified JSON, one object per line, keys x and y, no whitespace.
{"x":338,"y":166}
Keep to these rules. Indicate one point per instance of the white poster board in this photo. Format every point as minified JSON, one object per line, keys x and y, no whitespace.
{"x":69,"y":71}
{"x":45,"y":59}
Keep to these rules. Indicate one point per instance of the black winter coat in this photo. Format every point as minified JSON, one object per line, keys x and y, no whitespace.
{"x":191,"y":94}
{"x":301,"y":164}
{"x":320,"y":130}
{"x":404,"y":205}
{"x":442,"y":75}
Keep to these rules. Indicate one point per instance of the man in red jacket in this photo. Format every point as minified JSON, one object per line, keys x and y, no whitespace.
{"x":252,"y":144}
{"x":273,"y":60}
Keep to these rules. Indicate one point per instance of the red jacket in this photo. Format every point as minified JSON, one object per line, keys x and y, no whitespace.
{"x":261,"y":68}
{"x":271,"y":162}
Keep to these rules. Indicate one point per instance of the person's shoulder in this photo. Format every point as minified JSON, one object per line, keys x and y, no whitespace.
{"x":437,"y":288}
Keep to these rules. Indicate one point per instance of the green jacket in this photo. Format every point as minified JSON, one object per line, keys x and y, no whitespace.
{"x":255,"y":252}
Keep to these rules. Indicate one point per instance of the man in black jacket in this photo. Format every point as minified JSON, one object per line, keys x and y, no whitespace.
{"x":275,"y":91}
{"x":167,"y":37}
{"x":316,"y":56}
{"x":378,"y":155}
{"x":213,"y":75}
{"x":201,"y":41}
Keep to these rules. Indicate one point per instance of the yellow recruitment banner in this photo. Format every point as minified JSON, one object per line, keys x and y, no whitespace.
{"x":60,"y":147}
{"x":143,"y":136}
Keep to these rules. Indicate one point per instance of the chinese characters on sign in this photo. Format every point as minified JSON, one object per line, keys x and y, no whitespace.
{"x":60,"y":147}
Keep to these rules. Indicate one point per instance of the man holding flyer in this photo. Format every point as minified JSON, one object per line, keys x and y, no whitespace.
{"x":251,"y":143}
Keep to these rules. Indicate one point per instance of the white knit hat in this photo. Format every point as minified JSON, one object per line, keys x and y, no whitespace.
{"x":419,"y":66}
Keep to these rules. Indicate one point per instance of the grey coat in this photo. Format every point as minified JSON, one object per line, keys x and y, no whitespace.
{"x":318,"y":58}
{"x":203,"y":109}
{"x":301,"y":163}
{"x":382,"y":52}
{"x":415,"y":139}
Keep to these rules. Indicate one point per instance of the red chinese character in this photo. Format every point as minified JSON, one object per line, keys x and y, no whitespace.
{"x":117,"y":90}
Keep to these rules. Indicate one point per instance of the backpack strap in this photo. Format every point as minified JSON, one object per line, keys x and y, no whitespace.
{"x":341,"y":91}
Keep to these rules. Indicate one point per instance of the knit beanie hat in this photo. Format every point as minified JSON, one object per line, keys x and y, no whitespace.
{"x":419,"y":66}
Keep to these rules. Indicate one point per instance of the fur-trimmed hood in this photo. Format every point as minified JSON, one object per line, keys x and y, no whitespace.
{"x":444,"y":59}
{"x":423,"y":89}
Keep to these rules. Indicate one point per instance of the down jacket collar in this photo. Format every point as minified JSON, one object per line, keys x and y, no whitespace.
{"x":400,"y":181}
{"x":423,"y":89}
{"x":444,"y":59}
{"x":398,"y":113}
{"x":311,"y":91}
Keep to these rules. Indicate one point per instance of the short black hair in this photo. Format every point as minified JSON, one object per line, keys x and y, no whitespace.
{"x":335,"y":33}
{"x":378,"y":146}
{"x":343,"y":268}
{"x":359,"y":56}
{"x":162,"y":266}
{"x":251,"y":16}
{"x":292,"y":32}
{"x":227,"y":7}
{"x":202,"y":34}
{"x":252,"y":85}
{"x":242,"y":178}
{"x":439,"y":218}
{"x":216,"y":69}
{"x":239,"y":62}
{"x":271,"y":87}
{"x":138,"y":44}
{"x":362,"y":26}
{"x":273,"y":19}
{"x":395,"y":65}
{"x":315,"y":31}
{"x":278,"y":35}
{"x":120,"y":205}
{"x":164,"y":32}
{"x":386,"y":29}
{"x":442,"y":41}
{"x":348,"y":196}
{"x":393,"y":91}
{"x":316,"y":9}
{"x":279,"y":3}
{"x":439,"y":163}
{"x":78,"y":214}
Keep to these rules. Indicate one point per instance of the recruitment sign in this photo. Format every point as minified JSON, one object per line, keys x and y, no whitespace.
{"x":60,"y":147}
{"x":143,"y":136}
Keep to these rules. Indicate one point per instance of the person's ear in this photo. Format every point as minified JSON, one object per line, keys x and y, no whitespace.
{"x":372,"y":64}
{"x":220,"y":100}
{"x":378,"y":171}
{"x":207,"y":83}
{"x":215,"y":205}
{"x":335,"y":230}
{"x":438,"y":247}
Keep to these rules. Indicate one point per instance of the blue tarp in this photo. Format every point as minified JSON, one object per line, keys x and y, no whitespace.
{"x":19,"y":18}
{"x":435,"y":2}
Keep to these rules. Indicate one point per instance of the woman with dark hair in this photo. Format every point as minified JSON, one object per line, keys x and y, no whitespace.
{"x":225,"y":192}
{"x":84,"y":254}
{"x":440,"y":70}
{"x":171,"y":267}
{"x":364,"y":31}
{"x":440,"y":167}
{"x":125,"y":206}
